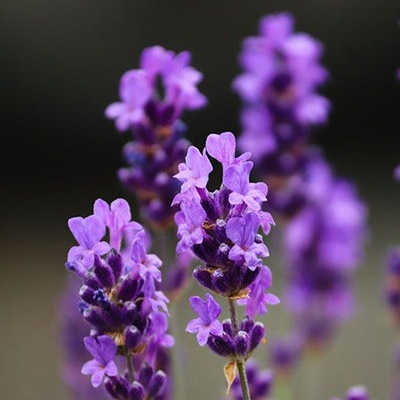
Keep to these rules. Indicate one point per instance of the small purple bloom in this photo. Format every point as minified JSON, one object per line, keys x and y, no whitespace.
{"x":236,"y":179}
{"x":103,"y":351}
{"x":195,"y":171}
{"x":259,"y":299}
{"x":145,"y":263}
{"x":117,"y":217}
{"x":190,"y":221}
{"x":88,"y":232}
{"x":242,"y":231}
{"x":135,"y":90}
{"x":222,"y":147}
{"x":207,"y":323}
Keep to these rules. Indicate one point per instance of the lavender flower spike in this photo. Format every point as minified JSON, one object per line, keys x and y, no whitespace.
{"x":154,"y":119}
{"x":207,"y":323}
{"x":121,"y":301}
{"x":103,"y":350}
{"x":222,"y":230}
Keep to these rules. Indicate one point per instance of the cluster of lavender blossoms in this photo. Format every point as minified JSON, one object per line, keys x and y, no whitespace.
{"x":282,"y":72}
{"x":221,"y":228}
{"x":323,"y":244}
{"x":119,"y":298}
{"x":152,"y":100}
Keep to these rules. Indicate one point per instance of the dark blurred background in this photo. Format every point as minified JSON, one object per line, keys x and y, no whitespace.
{"x":60,"y":66}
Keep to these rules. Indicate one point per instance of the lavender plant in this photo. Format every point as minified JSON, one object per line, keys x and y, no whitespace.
{"x":221,"y":229}
{"x":128,"y":316}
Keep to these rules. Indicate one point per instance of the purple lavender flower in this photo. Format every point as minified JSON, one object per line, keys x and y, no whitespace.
{"x":154,"y":119}
{"x":103,"y":349}
{"x":195,"y":171}
{"x":278,"y":86}
{"x":207,"y":323}
{"x":221,"y":232}
{"x":242,"y":232}
{"x":221,"y":229}
{"x":122,"y":303}
{"x":88,"y":232}
{"x":323,"y":245}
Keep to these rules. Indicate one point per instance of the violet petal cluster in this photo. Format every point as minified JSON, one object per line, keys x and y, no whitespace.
{"x":221,"y":229}
{"x":120,"y":299}
{"x":282,"y":73}
{"x":154,"y":119}
{"x":323,"y":245}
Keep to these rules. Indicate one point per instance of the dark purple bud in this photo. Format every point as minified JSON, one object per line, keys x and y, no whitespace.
{"x":221,"y":345}
{"x":114,"y":260}
{"x":248,"y":277}
{"x":210,"y":208}
{"x":227,"y":327}
{"x":136,"y":392}
{"x":246,"y":324}
{"x":145,"y":375}
{"x":86,"y":293}
{"x":129,"y":313}
{"x":210,"y":250}
{"x":203,"y":276}
{"x":223,"y":201}
{"x":101,"y":299}
{"x":92,"y":281}
{"x":104,"y":273}
{"x":127,"y":289}
{"x":151,"y":111}
{"x":156,"y":384}
{"x":242,"y":344}
{"x":117,"y":386}
{"x":132,"y":337}
{"x":256,"y":335}
{"x":219,"y":281}
{"x":165,"y":114}
{"x":110,"y":387}
{"x":77,"y":268}
{"x":95,"y":316}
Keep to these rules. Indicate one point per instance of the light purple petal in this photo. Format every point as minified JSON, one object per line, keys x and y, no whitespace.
{"x":97,"y":377}
{"x":222,"y":147}
{"x":89,"y":367}
{"x":194,"y":325}
{"x":202,"y":336}
{"x":111,"y":369}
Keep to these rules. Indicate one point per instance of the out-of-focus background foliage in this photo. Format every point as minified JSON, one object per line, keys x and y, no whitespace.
{"x":61,"y":61}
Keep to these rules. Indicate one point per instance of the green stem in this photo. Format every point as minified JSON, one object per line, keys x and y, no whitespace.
{"x":239,"y":362}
